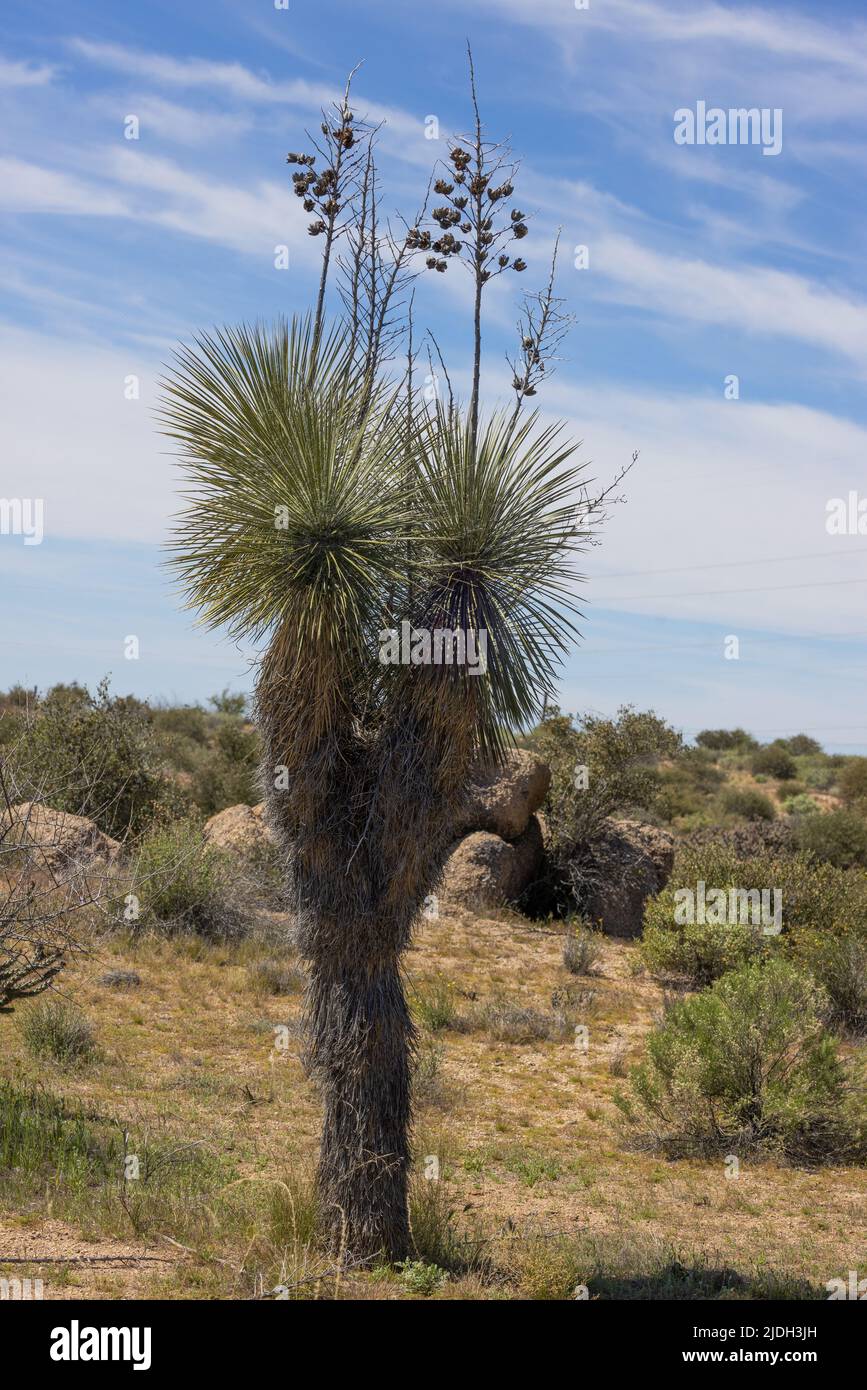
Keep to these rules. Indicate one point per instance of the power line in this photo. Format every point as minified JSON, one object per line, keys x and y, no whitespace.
{"x":707,"y":593}
{"x":737,"y":564}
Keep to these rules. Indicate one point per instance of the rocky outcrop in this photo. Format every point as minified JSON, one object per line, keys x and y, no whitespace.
{"x":486,"y":871}
{"x":502,"y":800}
{"x":239,"y":829}
{"x":626,"y":866}
{"x":56,"y":840}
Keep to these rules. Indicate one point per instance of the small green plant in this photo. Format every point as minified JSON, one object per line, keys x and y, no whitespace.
{"x":532,"y":1168}
{"x":420,"y":1277}
{"x":54,"y":1029}
{"x":436,"y":1005}
{"x":801,"y":804}
{"x":228,"y":703}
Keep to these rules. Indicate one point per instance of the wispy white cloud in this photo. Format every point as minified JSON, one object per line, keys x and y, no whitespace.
{"x":13,"y":74}
{"x":30,"y":188}
{"x":755,"y":299}
{"x":174,"y":123}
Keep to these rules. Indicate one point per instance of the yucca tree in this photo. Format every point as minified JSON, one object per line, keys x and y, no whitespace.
{"x":300,"y":519}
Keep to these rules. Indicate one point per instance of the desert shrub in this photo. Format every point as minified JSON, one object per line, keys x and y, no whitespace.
{"x":54,"y":1029}
{"x":181,"y":722}
{"x":747,"y":1066}
{"x":685,"y":787}
{"x":839,"y":963}
{"x":184,"y":884}
{"x":746,"y":802}
{"x":818,"y":773}
{"x":801,"y":746}
{"x":228,"y":703}
{"x":839,"y":837}
{"x":852,"y":779}
{"x":506,"y":1021}
{"x":722,"y":740}
{"x":226,"y":773}
{"x":417,"y":1276}
{"x":582,"y":951}
{"x":92,"y":756}
{"x":621,"y":758}
{"x":815,"y":895}
{"x":774,"y":761}
{"x":747,"y":841}
{"x":700,"y":952}
{"x":801,"y":805}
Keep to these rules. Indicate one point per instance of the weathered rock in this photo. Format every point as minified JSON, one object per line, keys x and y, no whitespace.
{"x":484,"y":870}
{"x":630,"y":863}
{"x":240,"y":829}
{"x":502,"y":800}
{"x":56,"y":839}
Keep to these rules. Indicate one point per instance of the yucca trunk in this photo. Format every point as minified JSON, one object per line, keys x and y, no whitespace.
{"x":366,"y":825}
{"x":360,"y":1042}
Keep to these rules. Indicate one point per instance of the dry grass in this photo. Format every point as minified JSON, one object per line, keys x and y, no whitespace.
{"x":524,"y":1133}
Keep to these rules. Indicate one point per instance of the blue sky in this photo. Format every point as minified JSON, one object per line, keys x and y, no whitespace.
{"x":705,"y":261}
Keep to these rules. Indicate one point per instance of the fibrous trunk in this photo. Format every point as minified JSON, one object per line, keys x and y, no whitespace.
{"x":366,"y":824}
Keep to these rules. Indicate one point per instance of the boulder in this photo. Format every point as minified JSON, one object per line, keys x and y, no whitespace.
{"x":56,"y":839}
{"x":629,"y":864}
{"x":240,"y":829}
{"x":486,"y":871}
{"x":502,"y":800}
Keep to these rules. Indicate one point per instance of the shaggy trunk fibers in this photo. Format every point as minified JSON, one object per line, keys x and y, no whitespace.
{"x":360,"y":1047}
{"x":365,"y":821}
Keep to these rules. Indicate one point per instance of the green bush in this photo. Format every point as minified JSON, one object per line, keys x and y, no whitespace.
{"x":685,"y":788}
{"x":744,"y":801}
{"x":184,"y":884}
{"x":852,"y":780}
{"x":818,"y":774}
{"x":747,"y":1066}
{"x":621,"y":758}
{"x":722,"y":740}
{"x":92,"y":756}
{"x":801,"y":746}
{"x":181,"y":721}
{"x":774,"y":761}
{"x":839,"y":837}
{"x":839,"y":963}
{"x":815,"y":895}
{"x":54,"y":1029}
